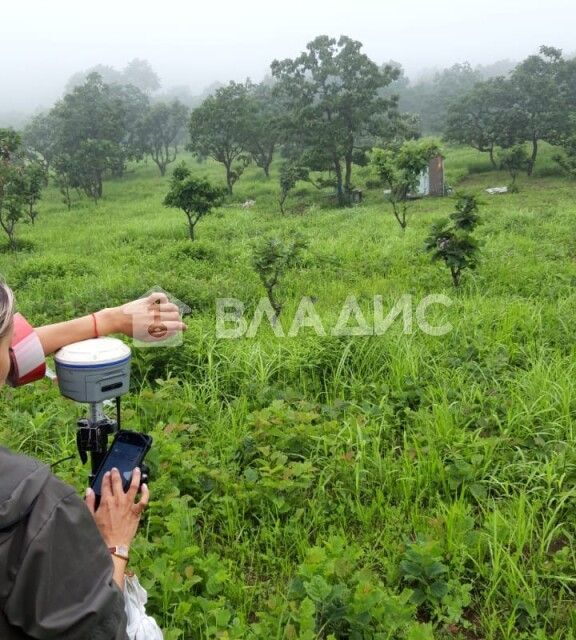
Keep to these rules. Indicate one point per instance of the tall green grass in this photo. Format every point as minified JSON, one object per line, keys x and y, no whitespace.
{"x":328,"y":461}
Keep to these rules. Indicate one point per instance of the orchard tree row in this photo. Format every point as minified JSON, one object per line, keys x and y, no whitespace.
{"x":97,"y":127}
{"x":536,"y":102}
{"x":325,"y":109}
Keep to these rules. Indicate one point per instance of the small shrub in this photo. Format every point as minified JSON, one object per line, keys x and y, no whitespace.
{"x":195,"y":196}
{"x":452,"y":240}
{"x":334,"y":596}
{"x":272,"y":259}
{"x":290,"y":175}
{"x":434,"y":592}
{"x":399,"y":171}
{"x":514,"y":160}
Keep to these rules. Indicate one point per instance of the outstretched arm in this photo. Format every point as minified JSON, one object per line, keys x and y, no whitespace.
{"x":155,"y":309}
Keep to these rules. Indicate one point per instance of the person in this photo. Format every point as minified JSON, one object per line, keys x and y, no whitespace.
{"x":62,"y":562}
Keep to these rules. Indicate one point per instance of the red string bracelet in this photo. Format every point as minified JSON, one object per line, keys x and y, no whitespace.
{"x":95,"y":326}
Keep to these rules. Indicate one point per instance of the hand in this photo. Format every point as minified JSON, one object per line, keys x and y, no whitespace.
{"x":150,"y":319}
{"x":118,"y":515}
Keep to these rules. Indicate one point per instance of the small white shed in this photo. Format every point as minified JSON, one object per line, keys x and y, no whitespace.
{"x":432,"y":178}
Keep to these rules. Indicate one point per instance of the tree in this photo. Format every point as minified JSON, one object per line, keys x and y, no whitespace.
{"x":108,"y":74}
{"x":19,"y":187}
{"x":94,"y":125}
{"x":451,"y":240}
{"x":430,"y":99}
{"x":92,"y":160}
{"x":40,"y":137}
{"x":514,"y":160}
{"x":530,"y":106}
{"x":333,"y":105}
{"x":195,"y":196}
{"x":183,"y":94}
{"x":483,"y":117}
{"x":290,"y":175}
{"x":399,"y":170}
{"x":64,"y":177}
{"x":139,"y":74}
{"x":399,"y":84}
{"x":566,"y":138}
{"x":218,"y":129}
{"x":9,"y":143}
{"x":567,"y":158}
{"x":272,"y":259}
{"x":264,"y":126}
{"x":10,"y":203}
{"x":34,"y":178}
{"x":135,"y":105}
{"x":499,"y":69}
{"x":160,"y":130}
{"x":542,"y":105}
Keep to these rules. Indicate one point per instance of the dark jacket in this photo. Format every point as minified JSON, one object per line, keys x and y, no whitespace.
{"x":55,"y":570}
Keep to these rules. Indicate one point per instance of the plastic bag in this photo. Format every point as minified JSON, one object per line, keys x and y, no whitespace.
{"x":140,"y":625}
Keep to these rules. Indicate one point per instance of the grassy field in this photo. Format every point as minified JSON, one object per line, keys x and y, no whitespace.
{"x":396,"y":486}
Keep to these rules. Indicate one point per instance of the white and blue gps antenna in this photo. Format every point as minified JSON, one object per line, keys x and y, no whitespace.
{"x":92,"y":372}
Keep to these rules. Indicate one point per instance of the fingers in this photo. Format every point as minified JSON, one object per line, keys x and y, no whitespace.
{"x":168,"y":316}
{"x":144,"y":499}
{"x":113,"y":489}
{"x":174,"y":325}
{"x":106,"y":489}
{"x":91,"y":500}
{"x":155,"y":302}
{"x":116,"y":481}
{"x":168,"y":307}
{"x":173,"y":315}
{"x":134,"y":484}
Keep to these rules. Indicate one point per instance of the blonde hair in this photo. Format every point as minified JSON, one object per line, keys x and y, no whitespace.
{"x":7,"y":304}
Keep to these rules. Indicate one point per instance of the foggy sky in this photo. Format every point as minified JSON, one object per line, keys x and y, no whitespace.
{"x":197,"y":42}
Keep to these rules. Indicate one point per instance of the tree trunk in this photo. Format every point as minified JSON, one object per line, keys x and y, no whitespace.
{"x":67,"y":197}
{"x":455,"y":272}
{"x":99,"y":186}
{"x":532,"y":161}
{"x":268,"y":161}
{"x":9,"y":230}
{"x":229,"y":181}
{"x":276,"y":305}
{"x":399,"y":211}
{"x":348,"y":178}
{"x":492,"y":159}
{"x":191,"y":225}
{"x":339,"y":184}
